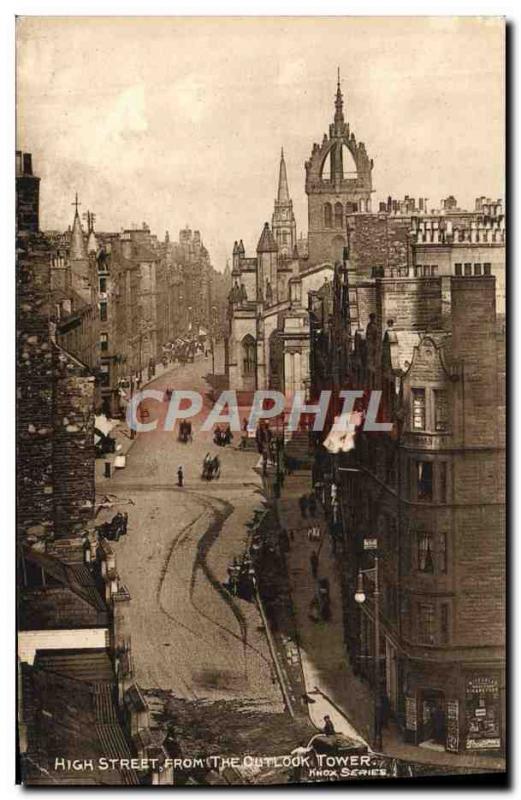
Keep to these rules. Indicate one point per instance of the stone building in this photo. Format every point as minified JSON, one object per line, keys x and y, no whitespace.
{"x":55,"y":396}
{"x":269,"y":330}
{"x":136,"y":271}
{"x":431,"y":491}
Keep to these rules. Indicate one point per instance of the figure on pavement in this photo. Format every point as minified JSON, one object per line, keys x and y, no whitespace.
{"x":329,"y":728}
{"x":180,"y":476}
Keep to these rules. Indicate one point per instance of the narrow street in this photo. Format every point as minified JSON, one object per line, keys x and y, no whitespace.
{"x":189,"y":636}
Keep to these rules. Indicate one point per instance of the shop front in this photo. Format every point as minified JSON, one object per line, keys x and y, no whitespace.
{"x":458,"y":712}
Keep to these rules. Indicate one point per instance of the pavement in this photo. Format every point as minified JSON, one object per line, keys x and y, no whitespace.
{"x":189,"y":636}
{"x":328,"y":677}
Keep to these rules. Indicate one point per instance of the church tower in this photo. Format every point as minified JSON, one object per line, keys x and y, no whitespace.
{"x":79,"y":258}
{"x":283,"y":223}
{"x":338,"y":182}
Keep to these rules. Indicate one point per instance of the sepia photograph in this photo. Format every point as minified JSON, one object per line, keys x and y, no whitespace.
{"x":260,"y":400}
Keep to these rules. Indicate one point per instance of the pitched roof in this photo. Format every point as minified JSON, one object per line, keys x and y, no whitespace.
{"x":267,"y":243}
{"x":78,"y":248}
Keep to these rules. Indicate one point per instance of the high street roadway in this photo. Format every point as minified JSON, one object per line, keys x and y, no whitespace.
{"x":188,"y":634}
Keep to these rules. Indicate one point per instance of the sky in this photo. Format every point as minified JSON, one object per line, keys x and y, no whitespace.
{"x":172,"y":121}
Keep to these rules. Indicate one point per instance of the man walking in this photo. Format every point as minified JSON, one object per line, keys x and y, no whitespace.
{"x":180,"y":476}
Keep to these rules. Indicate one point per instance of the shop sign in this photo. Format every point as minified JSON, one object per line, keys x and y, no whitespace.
{"x":452,"y":743}
{"x":482,"y":713}
{"x":410,"y":714}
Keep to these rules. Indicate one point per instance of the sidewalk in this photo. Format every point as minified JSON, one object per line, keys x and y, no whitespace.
{"x":328,"y":676}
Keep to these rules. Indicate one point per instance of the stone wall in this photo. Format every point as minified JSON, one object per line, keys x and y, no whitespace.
{"x":55,"y":458}
{"x":377,"y":240}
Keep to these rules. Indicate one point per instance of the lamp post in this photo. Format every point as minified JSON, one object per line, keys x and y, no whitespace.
{"x":360,"y":598}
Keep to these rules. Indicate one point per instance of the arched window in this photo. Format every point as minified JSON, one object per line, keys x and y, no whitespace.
{"x":339,"y":215}
{"x":248,"y":355}
{"x":328,"y":216}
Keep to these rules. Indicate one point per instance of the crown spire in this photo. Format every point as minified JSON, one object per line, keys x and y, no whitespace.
{"x":283,"y":193}
{"x":339,"y":102}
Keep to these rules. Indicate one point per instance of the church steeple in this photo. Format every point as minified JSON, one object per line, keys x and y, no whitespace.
{"x":283,"y":219}
{"x":283,"y":193}
{"x":339,"y":103}
{"x":78,"y":250}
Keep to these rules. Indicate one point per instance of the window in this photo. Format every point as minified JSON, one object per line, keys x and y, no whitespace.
{"x":477,"y":269}
{"x":328,"y":216}
{"x":104,"y":342}
{"x":103,"y":312}
{"x":105,"y":375}
{"x":442,"y":469}
{"x":102,"y":285}
{"x":248,"y":355}
{"x":444,"y":623}
{"x":441,"y":410}
{"x":431,"y":553}
{"x":457,"y":269}
{"x":424,"y":481}
{"x":418,"y":409}
{"x":339,"y":215}
{"x":425,"y":552}
{"x":487,"y":269}
{"x":442,"y":553}
{"x":468,"y":269}
{"x":426,"y":623}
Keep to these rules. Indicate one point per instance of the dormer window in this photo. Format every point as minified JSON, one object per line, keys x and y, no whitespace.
{"x":418,"y":409}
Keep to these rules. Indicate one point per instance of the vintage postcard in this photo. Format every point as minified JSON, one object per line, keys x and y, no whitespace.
{"x":260,"y":275}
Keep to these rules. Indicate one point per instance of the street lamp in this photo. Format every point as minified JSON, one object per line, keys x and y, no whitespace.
{"x":360,"y":597}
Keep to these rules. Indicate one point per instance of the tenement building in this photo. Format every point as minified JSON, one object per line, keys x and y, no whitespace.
{"x":55,"y":400}
{"x":416,"y":311}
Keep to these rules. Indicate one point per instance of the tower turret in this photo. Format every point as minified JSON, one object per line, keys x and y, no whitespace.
{"x":338,"y":183}
{"x":267,"y":253}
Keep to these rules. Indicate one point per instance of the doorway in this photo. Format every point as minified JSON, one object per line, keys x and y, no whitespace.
{"x":433,"y":725}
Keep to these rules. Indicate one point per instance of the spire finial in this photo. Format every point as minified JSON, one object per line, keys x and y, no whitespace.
{"x":76,"y":203}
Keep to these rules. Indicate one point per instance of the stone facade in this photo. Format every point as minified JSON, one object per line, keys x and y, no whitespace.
{"x":55,"y":403}
{"x":432,"y":491}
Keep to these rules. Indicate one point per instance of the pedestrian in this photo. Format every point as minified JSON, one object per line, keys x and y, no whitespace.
{"x":310,"y":534}
{"x":313,"y":560}
{"x":303,"y":504}
{"x":329,"y":728}
{"x":180,"y":476}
